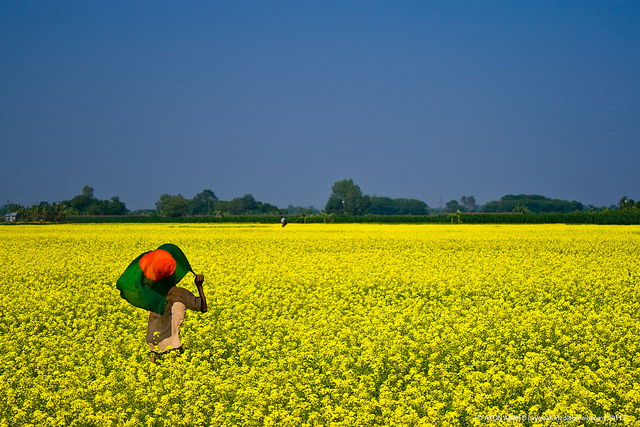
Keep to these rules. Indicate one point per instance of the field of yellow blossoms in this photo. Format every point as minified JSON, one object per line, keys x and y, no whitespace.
{"x":327,"y":324}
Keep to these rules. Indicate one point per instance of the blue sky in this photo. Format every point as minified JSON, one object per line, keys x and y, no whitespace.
{"x":280,"y":99}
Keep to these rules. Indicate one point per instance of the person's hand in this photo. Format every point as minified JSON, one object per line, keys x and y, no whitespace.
{"x":199,"y":279}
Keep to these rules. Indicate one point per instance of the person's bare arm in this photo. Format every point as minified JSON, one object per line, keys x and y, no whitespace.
{"x":199,"y":281}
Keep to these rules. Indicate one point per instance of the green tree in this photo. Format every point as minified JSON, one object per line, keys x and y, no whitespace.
{"x":344,"y":198}
{"x":453,"y":206}
{"x":382,"y":206}
{"x":363,"y":205}
{"x":410,"y":207}
{"x":115,"y":207}
{"x":468,"y":202}
{"x":87,"y":191}
{"x":204,"y":203}
{"x":10,"y":207}
{"x":626,"y":203}
{"x":334,"y":205}
{"x":80,"y":203}
{"x":97,"y":207}
{"x":243,"y":205}
{"x":86,"y":204}
{"x":172,"y":206}
{"x":268,"y":208}
{"x":520,"y":208}
{"x":454,"y":216}
{"x":534,"y":203}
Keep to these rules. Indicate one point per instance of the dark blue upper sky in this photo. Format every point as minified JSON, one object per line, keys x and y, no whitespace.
{"x":280,"y":99}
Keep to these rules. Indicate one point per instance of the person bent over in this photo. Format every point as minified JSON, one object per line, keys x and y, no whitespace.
{"x":163,"y":330}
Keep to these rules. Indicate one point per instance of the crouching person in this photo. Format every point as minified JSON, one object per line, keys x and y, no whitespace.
{"x":163,"y":330}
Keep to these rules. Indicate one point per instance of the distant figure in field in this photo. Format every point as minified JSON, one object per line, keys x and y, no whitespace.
{"x":283,"y":221}
{"x":150,"y":283}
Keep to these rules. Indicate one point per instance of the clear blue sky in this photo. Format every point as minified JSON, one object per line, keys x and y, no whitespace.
{"x":281,"y":99}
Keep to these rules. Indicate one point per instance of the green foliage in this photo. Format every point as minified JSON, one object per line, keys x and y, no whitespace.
{"x":347,"y":199}
{"x":382,"y":206}
{"x":628,"y":204}
{"x":453,"y":206}
{"x":468,"y":203}
{"x":607,"y":217}
{"x":399,"y":206}
{"x":172,"y":206}
{"x":206,"y":204}
{"x":9,"y":208}
{"x":455,"y":216}
{"x":534,"y":203}
{"x":203,"y":203}
{"x":86,"y":204}
{"x":301,"y":210}
{"x":246,"y":205}
{"x":520,"y":208}
{"x":42,"y":212}
{"x":243,"y":205}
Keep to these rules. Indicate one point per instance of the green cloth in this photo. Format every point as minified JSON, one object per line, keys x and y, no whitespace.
{"x":151,"y":295}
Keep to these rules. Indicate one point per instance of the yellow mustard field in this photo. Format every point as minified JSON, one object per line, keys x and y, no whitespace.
{"x":327,"y":325}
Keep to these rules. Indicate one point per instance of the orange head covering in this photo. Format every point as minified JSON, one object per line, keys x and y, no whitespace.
{"x":157,"y":265}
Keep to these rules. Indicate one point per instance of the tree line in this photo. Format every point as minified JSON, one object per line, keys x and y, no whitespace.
{"x":83,"y":204}
{"x":86,"y":204}
{"x":628,"y":204}
{"x":346,"y":198}
{"x":207,"y":204}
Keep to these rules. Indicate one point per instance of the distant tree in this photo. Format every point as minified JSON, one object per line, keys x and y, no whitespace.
{"x":334,"y":205}
{"x":293,"y":209}
{"x":534,"y":204}
{"x":382,"y":206}
{"x":172,"y":206}
{"x":493,"y":206}
{"x":87,"y":191}
{"x":455,"y":215}
{"x":86,"y":203}
{"x":453,"y":206}
{"x":204,"y":203}
{"x":80,"y":203}
{"x":10,"y":207}
{"x":347,"y":198}
{"x":222,"y":207}
{"x":243,"y":205}
{"x":520,"y":208}
{"x":42,"y":212}
{"x":411,"y":207}
{"x":626,"y":203}
{"x":468,"y":202}
{"x":96,"y":207}
{"x":267,"y":208}
{"x":363,"y":205}
{"x":115,"y":207}
{"x":347,"y":194}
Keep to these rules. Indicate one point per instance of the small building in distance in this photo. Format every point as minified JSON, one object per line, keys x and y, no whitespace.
{"x":11,"y":217}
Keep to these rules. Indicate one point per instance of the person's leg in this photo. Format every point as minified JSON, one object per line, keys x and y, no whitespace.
{"x":175,"y":352}
{"x":156,"y":357}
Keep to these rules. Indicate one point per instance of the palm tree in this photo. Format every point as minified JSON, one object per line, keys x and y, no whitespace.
{"x":520,"y":208}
